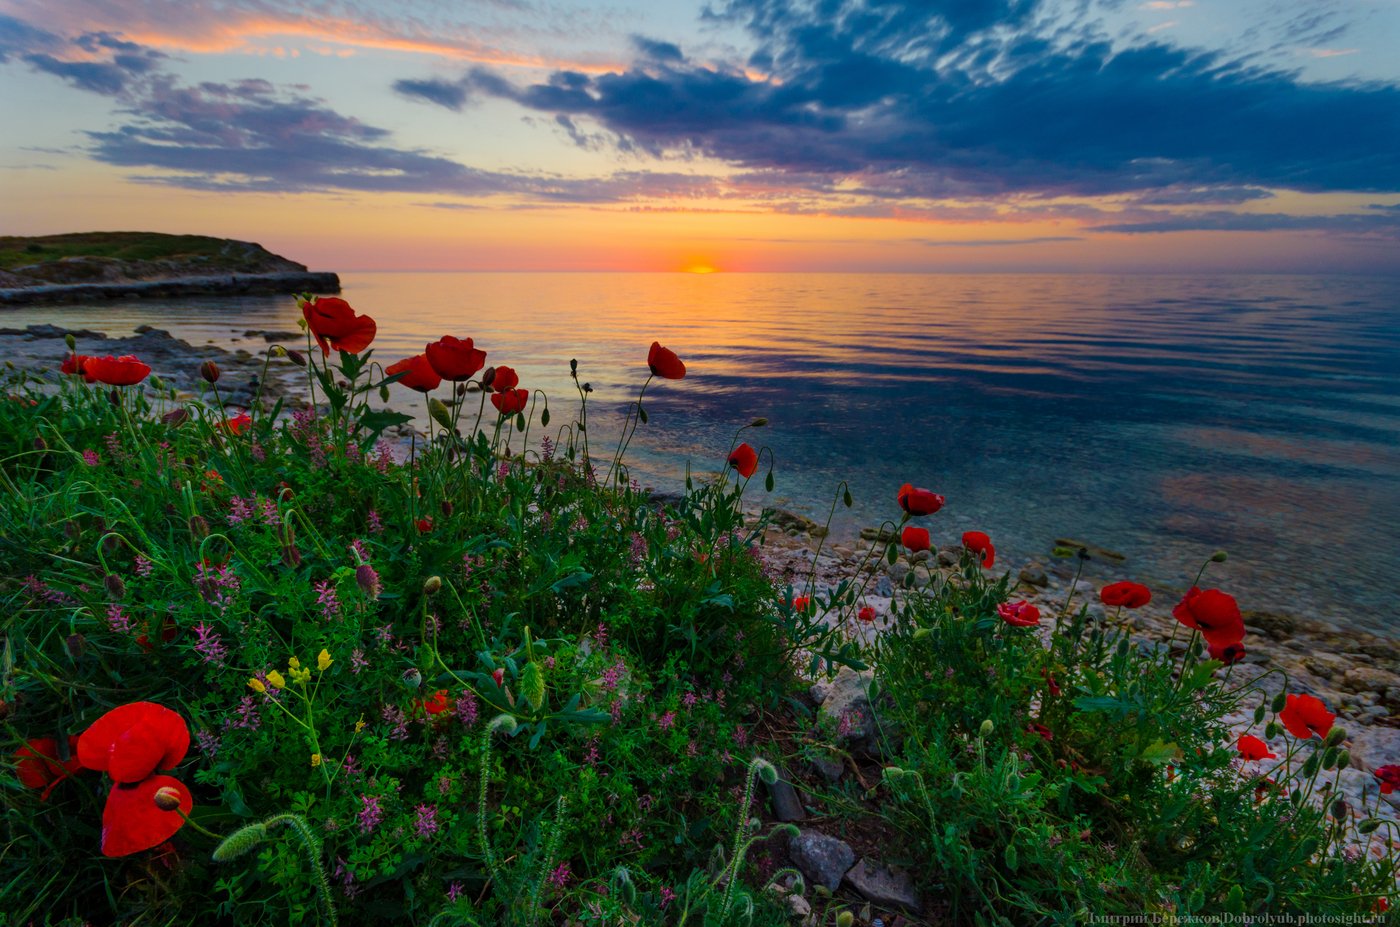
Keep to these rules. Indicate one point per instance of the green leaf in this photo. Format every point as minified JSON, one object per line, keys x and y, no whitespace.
{"x":377,"y":420}
{"x":1160,"y":753}
{"x":574,"y":579}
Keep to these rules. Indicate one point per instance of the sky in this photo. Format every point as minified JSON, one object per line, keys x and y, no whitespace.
{"x":1172,"y":136}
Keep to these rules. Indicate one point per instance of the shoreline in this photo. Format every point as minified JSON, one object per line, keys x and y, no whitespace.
{"x":271,"y":284}
{"x":1356,"y":673}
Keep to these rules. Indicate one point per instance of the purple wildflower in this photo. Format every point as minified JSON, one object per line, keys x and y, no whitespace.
{"x":143,"y":566}
{"x":208,"y":743}
{"x":357,"y":661}
{"x":394,"y":717}
{"x":560,"y":876}
{"x":91,"y":459}
{"x":209,"y":645}
{"x":425,"y":820}
{"x":375,"y":525}
{"x":117,"y":619}
{"x":370,"y":813}
{"x":239,"y":511}
{"x":327,"y":599}
{"x":466,"y":708}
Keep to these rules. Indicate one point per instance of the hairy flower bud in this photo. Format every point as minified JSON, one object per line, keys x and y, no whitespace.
{"x":40,"y":444}
{"x":114,"y":585}
{"x":1219,"y":557}
{"x":432,"y":585}
{"x":167,"y":798}
{"x":986,"y":728}
{"x":175,"y":418}
{"x":367,"y":580}
{"x":758,"y":423}
{"x":209,"y":371}
{"x":72,"y":342}
{"x":296,"y":357}
{"x":199,"y":526}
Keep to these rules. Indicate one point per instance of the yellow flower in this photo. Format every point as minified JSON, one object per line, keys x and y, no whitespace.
{"x":294,"y":663}
{"x":276,"y":679}
{"x":256,"y":685}
{"x":301,"y":676}
{"x":359,"y":725}
{"x":324,"y":661}
{"x":315,"y":760}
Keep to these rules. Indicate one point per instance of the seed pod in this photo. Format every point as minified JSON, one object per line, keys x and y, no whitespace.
{"x":116,"y":589}
{"x":209,"y":371}
{"x":1340,"y":808}
{"x":411,"y":678}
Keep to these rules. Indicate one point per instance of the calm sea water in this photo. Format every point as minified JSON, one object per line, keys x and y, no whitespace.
{"x":1161,"y":416}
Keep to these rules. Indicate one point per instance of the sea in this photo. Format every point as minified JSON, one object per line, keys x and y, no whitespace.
{"x":1164,"y":417}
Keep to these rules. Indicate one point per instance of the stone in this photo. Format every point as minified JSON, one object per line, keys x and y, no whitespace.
{"x":845,"y":704}
{"x":1374,"y":746}
{"x":885,"y":886}
{"x":1368,"y":679}
{"x":883,"y":535}
{"x":829,"y":768}
{"x":786,"y":805}
{"x":884,"y":587}
{"x":1033,"y":574}
{"x":822,"y":860}
{"x":1095,"y":552}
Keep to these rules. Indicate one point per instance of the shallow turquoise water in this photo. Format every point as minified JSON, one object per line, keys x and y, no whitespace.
{"x":1162,"y":416}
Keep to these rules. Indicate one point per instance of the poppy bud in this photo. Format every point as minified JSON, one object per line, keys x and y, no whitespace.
{"x":167,"y":798}
{"x":1279,"y":703}
{"x":500,"y":676}
{"x":758,"y":423}
{"x":72,"y":342}
{"x":464,"y":388}
{"x":158,"y":384}
{"x":573,"y":365}
{"x":1219,"y":557}
{"x":76,"y":645}
{"x":114,"y":585}
{"x":291,"y":557}
{"x":431,"y":585}
{"x":446,"y":508}
{"x":209,"y":371}
{"x":199,"y":527}
{"x":1334,"y":737}
{"x":112,"y":545}
{"x":1344,"y":759}
{"x":240,"y":842}
{"x":845,"y":919}
{"x":440,"y":413}
{"x":284,"y":492}
{"x":115,"y":396}
{"x":296,"y":357}
{"x":588,"y":387}
{"x":411,"y":678}
{"x":40,"y":444}
{"x":986,"y":728}
{"x":175,"y":418}
{"x":488,"y":376}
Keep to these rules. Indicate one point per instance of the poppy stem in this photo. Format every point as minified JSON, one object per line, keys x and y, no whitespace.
{"x":192,"y":823}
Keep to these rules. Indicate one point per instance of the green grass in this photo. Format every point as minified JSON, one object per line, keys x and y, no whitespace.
{"x":20,"y":251}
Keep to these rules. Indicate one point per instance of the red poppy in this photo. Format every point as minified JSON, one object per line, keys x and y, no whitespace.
{"x":436,"y":703}
{"x":132,"y":821}
{"x":1051,"y":685}
{"x":916,"y":539}
{"x":1125,"y":594}
{"x":801,"y":603}
{"x":664,"y":363}
{"x":1306,"y":715}
{"x":1214,"y":613}
{"x":455,"y":359}
{"x":1229,"y":654}
{"x":1041,"y":731}
{"x":500,"y":676}
{"x":417,"y":373}
{"x":1020,"y":614}
{"x":238,"y":424}
{"x":918,"y":501}
{"x":132,"y":741}
{"x":424,"y":525}
{"x":511,"y":401}
{"x":979,"y":543}
{"x":505,"y":378}
{"x":1388,"y":775}
{"x":867,"y":614}
{"x":744,"y":459}
{"x":335,"y":325}
{"x":1252,"y":749}
{"x":73,"y":364}
{"x":1382,"y":905}
{"x":115,"y":371}
{"x":38,"y":767}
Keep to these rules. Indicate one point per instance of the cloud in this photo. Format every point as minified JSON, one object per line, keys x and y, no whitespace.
{"x":98,"y":62}
{"x":968,"y":100}
{"x":449,"y":94}
{"x":1220,"y":221}
{"x":656,"y":50}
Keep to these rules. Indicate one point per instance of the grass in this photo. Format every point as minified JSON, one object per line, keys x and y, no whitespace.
{"x":18,"y":251}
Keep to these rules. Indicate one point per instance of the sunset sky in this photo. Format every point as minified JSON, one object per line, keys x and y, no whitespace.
{"x":1038,"y":135}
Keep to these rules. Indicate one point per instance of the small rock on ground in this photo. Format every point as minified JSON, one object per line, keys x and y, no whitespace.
{"x":822,"y":859}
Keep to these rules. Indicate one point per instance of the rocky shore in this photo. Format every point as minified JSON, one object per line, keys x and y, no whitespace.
{"x":174,"y":287}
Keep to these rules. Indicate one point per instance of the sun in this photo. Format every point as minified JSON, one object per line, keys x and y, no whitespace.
{"x":701,"y":267}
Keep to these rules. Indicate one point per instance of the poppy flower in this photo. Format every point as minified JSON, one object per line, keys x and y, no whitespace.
{"x":505,"y":378}
{"x":744,"y":459}
{"x":115,"y":371}
{"x":424,"y":525}
{"x":500,"y":676}
{"x":1381,"y":906}
{"x":335,"y":325}
{"x":918,"y":501}
{"x":1253,"y":749}
{"x":417,"y":373}
{"x":1306,"y":715}
{"x":1388,"y":775}
{"x":915,"y":539}
{"x":134,"y":740}
{"x":979,"y":543}
{"x":238,"y":424}
{"x":436,"y":703}
{"x":1020,"y":614}
{"x":1125,"y":594}
{"x":867,"y":614}
{"x":455,"y":359}
{"x":1214,"y":613}
{"x":1230,"y":654}
{"x":664,"y":363}
{"x":73,"y":364}
{"x":1041,"y":731}
{"x":801,"y":603}
{"x":38,"y":767}
{"x":134,"y":819}
{"x":511,"y":401}
{"x":1051,"y":684}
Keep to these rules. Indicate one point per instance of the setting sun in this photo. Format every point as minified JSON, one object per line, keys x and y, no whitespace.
{"x":701,"y":268}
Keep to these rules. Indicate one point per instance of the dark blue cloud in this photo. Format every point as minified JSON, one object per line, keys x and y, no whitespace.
{"x":449,"y":94}
{"x":657,"y":50}
{"x":106,"y":66}
{"x":1378,"y":223}
{"x":961,"y":99}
